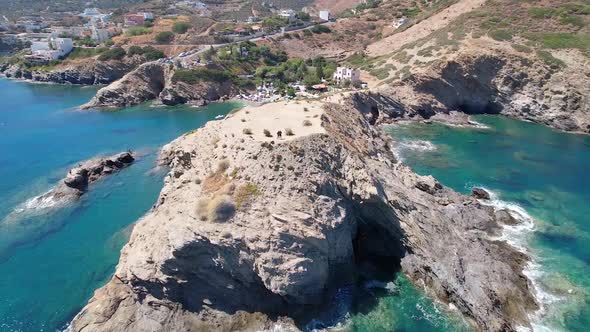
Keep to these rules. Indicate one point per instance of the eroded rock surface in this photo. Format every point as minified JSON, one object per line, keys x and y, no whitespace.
{"x":489,"y":83}
{"x":299,"y":219}
{"x":154,"y":81}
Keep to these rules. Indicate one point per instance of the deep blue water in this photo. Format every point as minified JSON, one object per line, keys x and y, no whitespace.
{"x":50,"y":264}
{"x":527,"y":166}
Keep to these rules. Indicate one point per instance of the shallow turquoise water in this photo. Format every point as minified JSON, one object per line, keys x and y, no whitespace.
{"x":536,"y":168}
{"x":50,"y":264}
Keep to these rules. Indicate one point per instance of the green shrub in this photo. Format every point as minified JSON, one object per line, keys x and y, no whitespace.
{"x":181,"y":27}
{"x":243,"y":193}
{"x":557,"y":40}
{"x":539,"y":12}
{"x":138,"y":31}
{"x":522,"y":48}
{"x":116,"y":53}
{"x":149,"y":52}
{"x":501,"y":35}
{"x":549,"y":59}
{"x":320,"y":29}
{"x":192,"y":76}
{"x":81,"y":53}
{"x":164,"y":37}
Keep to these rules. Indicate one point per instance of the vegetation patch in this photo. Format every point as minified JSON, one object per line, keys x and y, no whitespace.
{"x":115,"y":53}
{"x":549,"y":59}
{"x":192,"y":76}
{"x":244,"y":194}
{"x":138,"y":31}
{"x":164,"y":37}
{"x":561,"y":40}
{"x":181,"y":27}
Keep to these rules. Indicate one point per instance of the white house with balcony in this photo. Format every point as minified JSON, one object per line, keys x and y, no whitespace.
{"x":346,"y":74}
{"x":325,"y":15}
{"x":52,"y":49}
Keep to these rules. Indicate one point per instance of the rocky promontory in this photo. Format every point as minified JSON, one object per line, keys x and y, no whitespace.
{"x":84,"y":72}
{"x":76,"y":182}
{"x":156,"y":81}
{"x":254,"y":229}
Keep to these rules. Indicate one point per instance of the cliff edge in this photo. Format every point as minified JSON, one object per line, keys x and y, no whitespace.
{"x":253,"y":230}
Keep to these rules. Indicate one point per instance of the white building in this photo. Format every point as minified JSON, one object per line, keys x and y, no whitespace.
{"x":89,"y":12}
{"x":53,"y":48}
{"x":347,"y":74}
{"x":325,"y":15}
{"x":288,"y":14}
{"x":147,"y":15}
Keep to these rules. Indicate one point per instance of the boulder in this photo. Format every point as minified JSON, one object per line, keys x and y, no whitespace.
{"x":480,"y":193}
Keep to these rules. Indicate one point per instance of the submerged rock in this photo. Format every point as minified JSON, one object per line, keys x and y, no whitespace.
{"x":309,"y":215}
{"x":75,"y":184}
{"x":480,"y":193}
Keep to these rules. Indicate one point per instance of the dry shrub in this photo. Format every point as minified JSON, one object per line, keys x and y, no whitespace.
{"x":244,"y":192}
{"x":289,"y":132}
{"x":306,"y":123}
{"x":247,"y":131}
{"x":267,"y":133}
{"x":220,"y":209}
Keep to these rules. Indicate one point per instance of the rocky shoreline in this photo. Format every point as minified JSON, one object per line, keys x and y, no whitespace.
{"x":91,"y":72}
{"x":489,"y":83}
{"x":250,"y":231}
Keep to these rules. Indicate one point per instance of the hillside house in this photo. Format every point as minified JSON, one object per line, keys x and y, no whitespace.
{"x":325,"y":15}
{"x":52,"y":49}
{"x":132,"y":20}
{"x":346,"y":74}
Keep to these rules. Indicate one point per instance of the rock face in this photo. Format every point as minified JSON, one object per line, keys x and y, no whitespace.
{"x":153,"y":81}
{"x":492,"y":84}
{"x":89,"y":72}
{"x":75,"y":184}
{"x":250,"y":232}
{"x":480,"y":193}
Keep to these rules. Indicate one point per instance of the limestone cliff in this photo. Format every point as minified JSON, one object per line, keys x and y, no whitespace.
{"x":251,"y":230}
{"x":495,"y":83}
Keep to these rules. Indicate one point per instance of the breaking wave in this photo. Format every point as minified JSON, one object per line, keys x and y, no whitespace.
{"x":518,"y":236}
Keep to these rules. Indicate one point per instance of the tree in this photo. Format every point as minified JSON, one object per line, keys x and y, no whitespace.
{"x":290,"y":91}
{"x":319,"y":72}
{"x":181,"y":27}
{"x":164,"y":37}
{"x":115,"y":53}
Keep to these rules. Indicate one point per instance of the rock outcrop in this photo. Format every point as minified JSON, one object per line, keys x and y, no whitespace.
{"x":251,"y":231}
{"x":75,"y":184}
{"x":492,"y":83}
{"x":154,"y":81}
{"x":90,"y":72}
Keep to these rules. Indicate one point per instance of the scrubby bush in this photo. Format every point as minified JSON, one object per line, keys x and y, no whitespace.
{"x":149,"y":52}
{"x":116,"y":53}
{"x":138,"y":31}
{"x":247,"y":131}
{"x":289,"y":132}
{"x":320,"y":29}
{"x":306,"y":123}
{"x":181,"y":27}
{"x":164,"y":37}
{"x":267,"y":133}
{"x":244,"y":193}
{"x":201,"y":74}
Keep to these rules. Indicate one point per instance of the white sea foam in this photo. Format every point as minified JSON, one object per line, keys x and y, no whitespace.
{"x":416,"y":146}
{"x":517,"y":236}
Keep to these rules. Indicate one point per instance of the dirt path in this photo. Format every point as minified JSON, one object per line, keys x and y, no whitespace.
{"x":423,"y":28}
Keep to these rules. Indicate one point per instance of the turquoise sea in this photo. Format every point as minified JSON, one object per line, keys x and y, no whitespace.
{"x":50,"y":263}
{"x":534,"y":170}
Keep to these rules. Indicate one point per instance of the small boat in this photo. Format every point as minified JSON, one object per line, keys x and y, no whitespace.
{"x":220,"y":117}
